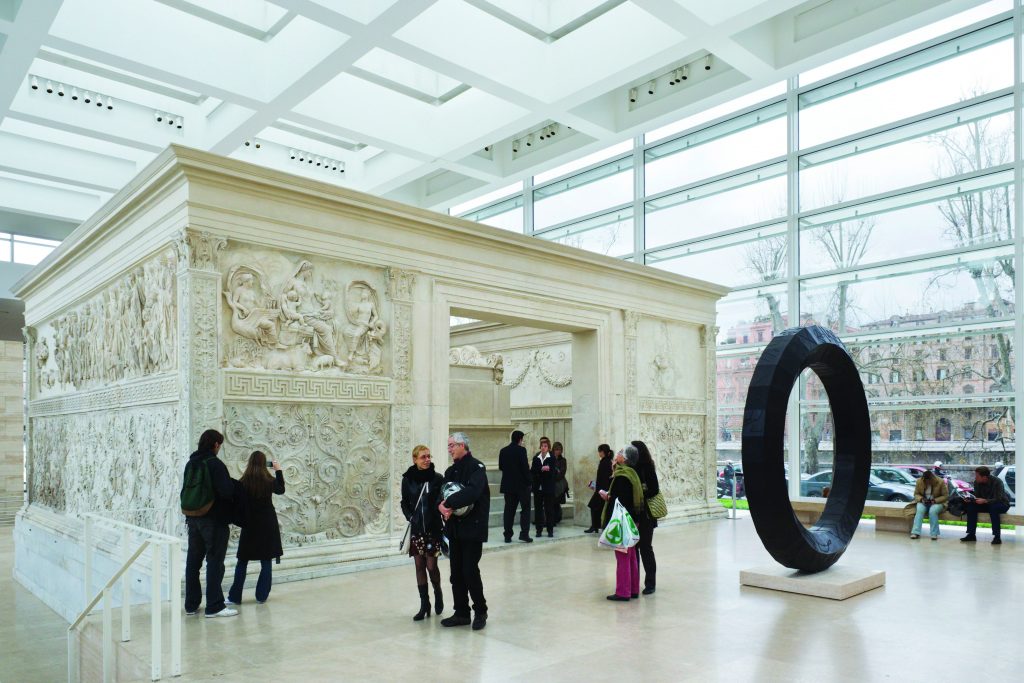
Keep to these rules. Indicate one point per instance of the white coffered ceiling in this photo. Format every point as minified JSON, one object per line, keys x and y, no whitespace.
{"x":419,"y":100}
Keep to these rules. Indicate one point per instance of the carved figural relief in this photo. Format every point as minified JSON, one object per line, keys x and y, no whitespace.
{"x":336,"y":461}
{"x":304,"y":323}
{"x":471,"y":356}
{"x":126,"y":331}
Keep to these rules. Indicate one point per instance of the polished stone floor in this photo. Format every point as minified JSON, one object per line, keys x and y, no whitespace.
{"x":949,"y":612}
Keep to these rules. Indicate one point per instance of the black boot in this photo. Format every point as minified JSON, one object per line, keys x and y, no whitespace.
{"x":438,"y":598}
{"x":424,"y":605}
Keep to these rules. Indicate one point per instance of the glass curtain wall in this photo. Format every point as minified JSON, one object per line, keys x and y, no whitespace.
{"x":890,"y":217}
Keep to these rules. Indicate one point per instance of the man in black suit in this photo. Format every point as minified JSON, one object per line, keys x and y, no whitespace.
{"x":515,"y":484}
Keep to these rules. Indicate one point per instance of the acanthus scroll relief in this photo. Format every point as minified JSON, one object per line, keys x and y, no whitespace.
{"x":110,"y":462}
{"x":336,"y":463}
{"x":127,"y":330}
{"x":677,"y":443}
{"x":303,"y":322}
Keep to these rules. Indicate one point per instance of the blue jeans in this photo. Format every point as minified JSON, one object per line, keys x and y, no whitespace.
{"x":933,"y":518}
{"x":262,"y":583}
{"x":207,"y":540}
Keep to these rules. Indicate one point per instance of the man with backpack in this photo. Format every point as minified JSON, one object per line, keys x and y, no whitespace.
{"x":207,"y":495}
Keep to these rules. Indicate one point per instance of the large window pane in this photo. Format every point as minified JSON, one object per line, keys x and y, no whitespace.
{"x":465,"y":207}
{"x":758,"y":256}
{"x":507,"y":215}
{"x":752,"y":316}
{"x":611,"y":234}
{"x":748,"y":100}
{"x":589,"y":192}
{"x":753,"y":197}
{"x":966,"y":140}
{"x":971,"y":65}
{"x":967,"y":214}
{"x":948,"y":290}
{"x":743,"y":141}
{"x":583,"y":162}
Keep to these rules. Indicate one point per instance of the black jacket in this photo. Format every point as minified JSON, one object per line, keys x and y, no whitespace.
{"x":602,"y":482}
{"x":649,"y":480}
{"x":622,"y":490}
{"x":261,"y":536}
{"x":222,"y":509}
{"x":515,"y":469}
{"x":544,"y":482}
{"x":472,"y":474}
{"x":426,"y":519}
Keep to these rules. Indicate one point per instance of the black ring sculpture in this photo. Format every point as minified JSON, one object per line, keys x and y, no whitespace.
{"x":764,"y":476}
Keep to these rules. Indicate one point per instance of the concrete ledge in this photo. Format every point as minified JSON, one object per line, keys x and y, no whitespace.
{"x":888,"y":516}
{"x":835,"y":583}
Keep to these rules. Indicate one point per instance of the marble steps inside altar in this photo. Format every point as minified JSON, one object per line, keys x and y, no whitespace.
{"x":498,"y":502}
{"x":9,"y":506}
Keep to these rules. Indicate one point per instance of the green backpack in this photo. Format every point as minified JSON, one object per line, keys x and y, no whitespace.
{"x":197,"y":489}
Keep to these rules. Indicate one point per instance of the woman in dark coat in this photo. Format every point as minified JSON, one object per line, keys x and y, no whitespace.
{"x":562,"y":481}
{"x":601,"y":483}
{"x":261,"y":536}
{"x":425,"y":521}
{"x":646,"y":522}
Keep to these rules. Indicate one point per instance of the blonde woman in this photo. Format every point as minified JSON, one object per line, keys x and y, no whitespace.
{"x":421,"y":493}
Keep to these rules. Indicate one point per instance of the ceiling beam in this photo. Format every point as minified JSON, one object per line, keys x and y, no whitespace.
{"x":24,"y":38}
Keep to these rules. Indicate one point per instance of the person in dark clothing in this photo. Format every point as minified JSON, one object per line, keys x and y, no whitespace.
{"x":625,"y":487}
{"x":990,"y":496}
{"x":208,"y":534}
{"x":561,"y":479}
{"x":545,"y":478}
{"x":645,"y":522}
{"x":515,"y":484}
{"x":261,"y":535}
{"x":421,"y":494}
{"x":466,"y":515}
{"x":601,"y":483}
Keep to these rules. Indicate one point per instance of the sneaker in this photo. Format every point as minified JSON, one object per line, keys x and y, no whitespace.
{"x":915,"y":535}
{"x":997,"y":541}
{"x":455,"y":620}
{"x":230,"y":602}
{"x":969,"y":538}
{"x":479,"y":621}
{"x":226,"y":612}
{"x":192,"y":613}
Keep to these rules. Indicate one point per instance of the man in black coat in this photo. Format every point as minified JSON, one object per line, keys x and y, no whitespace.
{"x":208,"y":534}
{"x":467,"y":532}
{"x":515,"y":484}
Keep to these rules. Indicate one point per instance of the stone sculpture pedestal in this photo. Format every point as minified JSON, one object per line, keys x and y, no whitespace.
{"x":835,"y":583}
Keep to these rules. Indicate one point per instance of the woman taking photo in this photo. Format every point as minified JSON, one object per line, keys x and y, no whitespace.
{"x":421,"y":493}
{"x":625,"y":488}
{"x":261,"y":536}
{"x":601,"y":483}
{"x":646,"y":523}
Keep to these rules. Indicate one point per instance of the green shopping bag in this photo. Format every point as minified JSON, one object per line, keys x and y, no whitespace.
{"x":620,"y":533}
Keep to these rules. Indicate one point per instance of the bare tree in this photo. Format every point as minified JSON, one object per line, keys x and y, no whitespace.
{"x":767,"y":259}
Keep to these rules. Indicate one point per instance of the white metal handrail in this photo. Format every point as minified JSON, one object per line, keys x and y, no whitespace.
{"x":155,"y":542}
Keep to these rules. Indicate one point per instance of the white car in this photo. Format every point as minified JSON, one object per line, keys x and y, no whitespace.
{"x":1008,"y":473}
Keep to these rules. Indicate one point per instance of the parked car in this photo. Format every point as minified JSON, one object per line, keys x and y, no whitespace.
{"x":813,"y":485}
{"x":1008,"y":473}
{"x":917,"y":470}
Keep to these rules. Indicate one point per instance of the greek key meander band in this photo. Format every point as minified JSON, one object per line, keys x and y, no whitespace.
{"x":672,"y":406}
{"x":256,"y":387}
{"x":139,"y":392}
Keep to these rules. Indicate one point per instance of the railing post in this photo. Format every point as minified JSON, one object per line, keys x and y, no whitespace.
{"x":126,"y":589}
{"x":156,"y":638}
{"x":174,"y":593}
{"x":87,"y":560}
{"x":108,"y":639}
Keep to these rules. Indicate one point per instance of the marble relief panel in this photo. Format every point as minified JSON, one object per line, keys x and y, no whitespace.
{"x":336,"y":461}
{"x":128,"y":330}
{"x":677,"y":444}
{"x":112,"y":462}
{"x":302,"y":314}
{"x":668,"y":361}
{"x":540,"y":376}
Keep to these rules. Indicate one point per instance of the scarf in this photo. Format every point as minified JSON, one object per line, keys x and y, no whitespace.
{"x":629,"y":473}
{"x":421,"y":476}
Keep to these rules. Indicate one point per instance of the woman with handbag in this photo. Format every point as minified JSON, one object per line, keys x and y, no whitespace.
{"x":261,"y":535}
{"x":646,"y":522}
{"x":930,"y":495}
{"x":625,"y":488}
{"x":601,"y":483}
{"x":421,"y":493}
